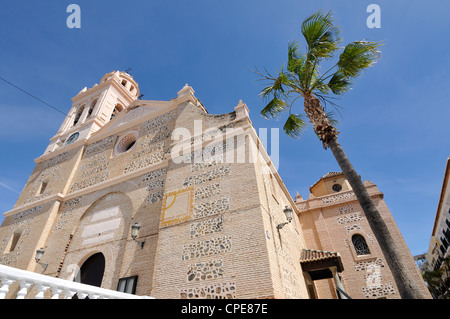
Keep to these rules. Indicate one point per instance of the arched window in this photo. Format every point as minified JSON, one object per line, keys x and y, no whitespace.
{"x":77,"y":117}
{"x":91,"y":108}
{"x":116,"y":111}
{"x":360,"y":245}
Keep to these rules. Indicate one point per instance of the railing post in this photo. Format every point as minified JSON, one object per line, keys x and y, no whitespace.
{"x":41,"y":289}
{"x":24,"y":285}
{"x":68,"y":293}
{"x":4,"y":289}
{"x":56,"y":292}
{"x":82,"y":294}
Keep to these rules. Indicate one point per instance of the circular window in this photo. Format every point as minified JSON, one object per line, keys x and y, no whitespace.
{"x":72,"y":138}
{"x":126,"y":142}
{"x":337,"y":187}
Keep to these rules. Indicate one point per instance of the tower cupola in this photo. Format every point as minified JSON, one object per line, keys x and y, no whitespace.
{"x":93,"y":107}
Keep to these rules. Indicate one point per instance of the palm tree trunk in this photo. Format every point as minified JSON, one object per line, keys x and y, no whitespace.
{"x":326,"y":132}
{"x":407,"y":286}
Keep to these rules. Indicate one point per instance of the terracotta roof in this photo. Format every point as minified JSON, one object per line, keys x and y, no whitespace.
{"x":318,"y":256}
{"x":327,"y":175}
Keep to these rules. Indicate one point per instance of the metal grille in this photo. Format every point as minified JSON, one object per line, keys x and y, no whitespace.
{"x":360,"y":245}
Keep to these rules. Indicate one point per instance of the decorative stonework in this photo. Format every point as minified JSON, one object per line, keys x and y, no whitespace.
{"x":144,"y":161}
{"x":349,"y":218}
{"x":26,"y":214}
{"x":94,"y":167}
{"x":49,"y":175}
{"x":338,"y":198}
{"x":364,"y":265}
{"x":212,"y":134}
{"x":55,"y":160}
{"x":346,"y":209}
{"x":207,"y":191}
{"x":205,"y":271}
{"x":216,"y":291}
{"x":154,"y":174}
{"x":206,"y":248}
{"x":22,"y":220}
{"x":96,"y":164}
{"x":378,"y":291}
{"x":212,"y":208}
{"x":163,"y":119}
{"x":100,"y":145}
{"x":206,"y":227}
{"x":144,"y":150}
{"x":66,"y":213}
{"x":351,"y":228}
{"x":208,"y":162}
{"x":154,"y":197}
{"x":153,"y":181}
{"x":151,"y":145}
{"x":212,"y":151}
{"x":207,"y":176}
{"x":155,"y":184}
{"x":89,"y":181}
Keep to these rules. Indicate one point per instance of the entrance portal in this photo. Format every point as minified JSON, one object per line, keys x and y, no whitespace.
{"x":91,"y":273}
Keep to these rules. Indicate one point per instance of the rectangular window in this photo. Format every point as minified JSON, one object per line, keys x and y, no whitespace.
{"x":43,"y":187}
{"x":127,"y":285}
{"x":13,"y":241}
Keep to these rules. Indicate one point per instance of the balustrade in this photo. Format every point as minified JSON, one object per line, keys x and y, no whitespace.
{"x":59,"y":288}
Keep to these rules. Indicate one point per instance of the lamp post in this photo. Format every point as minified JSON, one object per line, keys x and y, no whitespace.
{"x":135,"y":232}
{"x":38,"y":257}
{"x":288,"y":212}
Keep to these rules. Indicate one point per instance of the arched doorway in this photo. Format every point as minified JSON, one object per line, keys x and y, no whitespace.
{"x":91,"y":272}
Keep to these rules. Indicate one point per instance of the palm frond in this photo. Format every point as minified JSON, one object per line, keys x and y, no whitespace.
{"x":357,"y":56}
{"x":277,"y":84}
{"x":321,"y":36}
{"x":273,"y":108}
{"x":339,"y":83}
{"x":294,"y":125}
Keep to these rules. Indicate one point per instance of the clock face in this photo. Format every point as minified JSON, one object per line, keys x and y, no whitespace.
{"x":72,"y":138}
{"x":336,"y":187}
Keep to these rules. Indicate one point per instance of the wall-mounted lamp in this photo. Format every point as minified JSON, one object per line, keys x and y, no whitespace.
{"x":135,"y":232}
{"x":38,"y":257}
{"x":288,"y":212}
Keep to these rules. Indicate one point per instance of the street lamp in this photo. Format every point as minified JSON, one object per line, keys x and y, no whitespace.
{"x":38,"y":257}
{"x":288,"y":212}
{"x":135,"y":232}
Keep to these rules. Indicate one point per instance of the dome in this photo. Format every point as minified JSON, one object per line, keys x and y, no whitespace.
{"x":125,"y":79}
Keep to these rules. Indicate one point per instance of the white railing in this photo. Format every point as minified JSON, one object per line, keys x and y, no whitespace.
{"x":59,"y":288}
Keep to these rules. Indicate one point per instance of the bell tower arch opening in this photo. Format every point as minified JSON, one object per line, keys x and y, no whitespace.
{"x":94,"y":107}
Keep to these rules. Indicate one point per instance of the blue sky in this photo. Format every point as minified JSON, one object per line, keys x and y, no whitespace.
{"x":394,"y":125}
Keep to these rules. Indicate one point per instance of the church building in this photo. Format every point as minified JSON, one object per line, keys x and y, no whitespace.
{"x":163,"y":199}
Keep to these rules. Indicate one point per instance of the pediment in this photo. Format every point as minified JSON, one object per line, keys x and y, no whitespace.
{"x":137,"y":112}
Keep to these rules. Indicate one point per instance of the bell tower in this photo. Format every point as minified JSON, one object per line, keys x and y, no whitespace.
{"x":93,"y":108}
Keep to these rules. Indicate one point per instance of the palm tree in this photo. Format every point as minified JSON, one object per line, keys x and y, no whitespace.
{"x":433,"y":280}
{"x":302,"y":78}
